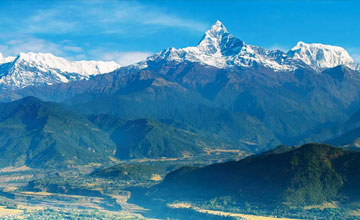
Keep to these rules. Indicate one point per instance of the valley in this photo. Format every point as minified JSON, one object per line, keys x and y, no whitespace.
{"x":82,"y":193}
{"x":179,"y":188}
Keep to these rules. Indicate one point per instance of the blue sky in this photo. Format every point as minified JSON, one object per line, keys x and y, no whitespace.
{"x":128,"y":31}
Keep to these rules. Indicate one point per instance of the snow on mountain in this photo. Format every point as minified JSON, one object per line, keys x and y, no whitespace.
{"x":45,"y":61}
{"x":320,"y":56}
{"x":6,"y":59}
{"x":38,"y":69}
{"x":221,"y":49}
{"x":217,"y":48}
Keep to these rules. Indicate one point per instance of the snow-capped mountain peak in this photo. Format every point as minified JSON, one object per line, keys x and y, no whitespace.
{"x":38,"y":69}
{"x":45,"y":61}
{"x":221,"y":49}
{"x":217,"y":48}
{"x":218,"y":40}
{"x":320,"y":56}
{"x":216,"y":31}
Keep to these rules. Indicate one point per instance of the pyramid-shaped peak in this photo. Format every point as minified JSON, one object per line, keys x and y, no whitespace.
{"x":218,"y":24}
{"x":217,"y":29}
{"x":218,"y":40}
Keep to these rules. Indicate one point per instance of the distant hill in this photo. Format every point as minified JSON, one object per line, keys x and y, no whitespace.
{"x":346,"y":134}
{"x":309,"y":175}
{"x":354,"y":121}
{"x":350,"y":139}
{"x":132,"y":172}
{"x":37,"y":133}
{"x":45,"y":134}
{"x":148,"y":138}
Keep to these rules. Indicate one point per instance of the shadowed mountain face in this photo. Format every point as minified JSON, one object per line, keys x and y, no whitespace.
{"x":311,"y":174}
{"x":45,"y":134}
{"x":347,"y":134}
{"x":349,"y":139}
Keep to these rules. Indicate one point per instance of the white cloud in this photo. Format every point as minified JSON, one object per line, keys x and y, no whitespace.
{"x":125,"y":58}
{"x":148,"y":15}
{"x":50,"y":20}
{"x":51,"y":26}
{"x":356,"y":58}
{"x":354,"y":53}
{"x":38,"y":31}
{"x":173,"y":21}
{"x":30,"y":44}
{"x":108,"y":17}
{"x":73,"y":49}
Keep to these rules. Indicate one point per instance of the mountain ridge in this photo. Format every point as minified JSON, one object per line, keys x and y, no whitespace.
{"x":178,"y":89}
{"x":257,"y":105}
{"x":39,"y":69}
{"x":221,"y":49}
{"x":308,"y":175}
{"x":48,"y":135}
{"x":217,"y":48}
{"x":321,"y":56}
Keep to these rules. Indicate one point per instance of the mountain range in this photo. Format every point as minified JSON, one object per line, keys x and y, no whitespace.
{"x":221,"y":49}
{"x":39,"y":69}
{"x":217,"y":48}
{"x":227,"y":92}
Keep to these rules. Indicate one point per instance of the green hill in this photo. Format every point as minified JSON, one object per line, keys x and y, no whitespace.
{"x":309,"y":175}
{"x":149,"y":138}
{"x":37,"y":133}
{"x":45,"y":134}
